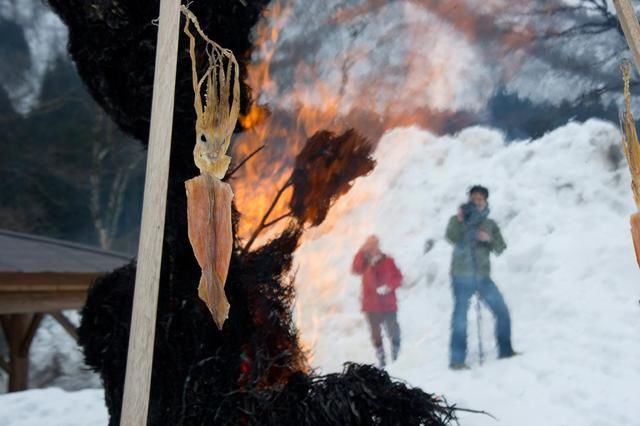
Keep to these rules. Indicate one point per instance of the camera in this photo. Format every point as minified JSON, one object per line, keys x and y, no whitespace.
{"x":467,"y":210}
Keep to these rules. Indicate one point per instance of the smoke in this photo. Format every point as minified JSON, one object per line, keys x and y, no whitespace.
{"x":399,"y":56}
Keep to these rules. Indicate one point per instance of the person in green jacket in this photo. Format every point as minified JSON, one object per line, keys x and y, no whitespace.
{"x":474,"y":237}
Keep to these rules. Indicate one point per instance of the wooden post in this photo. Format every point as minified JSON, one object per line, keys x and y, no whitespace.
{"x":135,"y":404}
{"x":19,"y":330}
{"x":630,"y":27}
{"x":4,"y":364}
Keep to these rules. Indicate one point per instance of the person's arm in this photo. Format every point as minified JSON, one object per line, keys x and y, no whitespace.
{"x":455,"y":230}
{"x":358,"y":266}
{"x":497,"y":243}
{"x":392,"y":277}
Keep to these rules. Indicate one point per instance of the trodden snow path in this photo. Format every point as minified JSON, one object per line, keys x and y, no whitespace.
{"x":569,"y":275}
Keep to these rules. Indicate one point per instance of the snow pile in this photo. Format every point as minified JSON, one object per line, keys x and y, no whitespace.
{"x":568,"y":275}
{"x":53,"y":407}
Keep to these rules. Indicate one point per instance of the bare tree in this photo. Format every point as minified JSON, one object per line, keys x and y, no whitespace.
{"x":113,"y":164}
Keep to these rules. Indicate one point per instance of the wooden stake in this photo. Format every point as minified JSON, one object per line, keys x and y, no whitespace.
{"x":630,"y":27}
{"x":19,"y":330}
{"x":135,"y":404}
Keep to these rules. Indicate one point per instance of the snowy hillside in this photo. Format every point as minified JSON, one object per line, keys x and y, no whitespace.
{"x":568,"y":275}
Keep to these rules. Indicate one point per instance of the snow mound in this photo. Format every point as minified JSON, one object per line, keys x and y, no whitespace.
{"x":569,"y":275}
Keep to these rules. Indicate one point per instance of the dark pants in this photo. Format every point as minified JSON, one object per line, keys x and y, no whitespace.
{"x":389,"y":320}
{"x":463,"y":289}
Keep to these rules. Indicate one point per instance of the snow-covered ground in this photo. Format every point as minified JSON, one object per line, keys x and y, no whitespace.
{"x":73,"y":395}
{"x":568,"y":276}
{"x":53,"y":407}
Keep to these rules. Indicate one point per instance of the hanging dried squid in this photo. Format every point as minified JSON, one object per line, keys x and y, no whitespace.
{"x":208,"y":198}
{"x":632,"y":152}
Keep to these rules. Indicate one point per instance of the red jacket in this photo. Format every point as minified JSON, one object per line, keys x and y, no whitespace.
{"x":383,"y":272}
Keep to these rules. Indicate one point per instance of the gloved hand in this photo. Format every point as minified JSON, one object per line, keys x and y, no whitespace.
{"x":383,"y":290}
{"x":484,"y":236}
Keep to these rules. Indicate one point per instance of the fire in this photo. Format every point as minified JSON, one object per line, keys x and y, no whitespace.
{"x":256,"y":115}
{"x":422,"y":85}
{"x":424,"y":80}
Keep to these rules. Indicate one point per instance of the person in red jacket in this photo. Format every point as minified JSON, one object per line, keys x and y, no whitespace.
{"x":380,"y":279}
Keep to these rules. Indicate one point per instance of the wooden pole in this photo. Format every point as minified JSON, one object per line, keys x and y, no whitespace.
{"x":135,"y":404}
{"x":630,"y":27}
{"x":19,"y":329}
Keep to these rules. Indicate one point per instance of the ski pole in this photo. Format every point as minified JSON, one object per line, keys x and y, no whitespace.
{"x":479,"y":320}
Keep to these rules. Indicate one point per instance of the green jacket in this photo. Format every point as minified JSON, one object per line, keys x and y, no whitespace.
{"x":461,"y":262}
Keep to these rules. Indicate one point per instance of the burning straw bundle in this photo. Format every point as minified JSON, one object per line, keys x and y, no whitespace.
{"x":323,"y":171}
{"x":254,"y":371}
{"x":631,"y":147}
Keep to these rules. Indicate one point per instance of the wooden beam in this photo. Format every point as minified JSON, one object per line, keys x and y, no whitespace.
{"x":47,"y":281}
{"x":66,"y":324}
{"x":43,"y":291}
{"x":630,"y":27}
{"x":40,"y":301}
{"x":145,"y":301}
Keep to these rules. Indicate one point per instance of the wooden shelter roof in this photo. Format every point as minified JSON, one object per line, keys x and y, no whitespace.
{"x":34,"y":254}
{"x":40,"y":274}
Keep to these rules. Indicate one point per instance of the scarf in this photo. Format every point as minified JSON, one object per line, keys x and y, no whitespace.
{"x":477,"y":217}
{"x":471,"y":239}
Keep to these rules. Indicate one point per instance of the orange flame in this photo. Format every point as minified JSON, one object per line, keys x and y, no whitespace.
{"x":323,"y":106}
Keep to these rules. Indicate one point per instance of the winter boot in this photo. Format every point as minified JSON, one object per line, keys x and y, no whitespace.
{"x":509,"y":355}
{"x":395,"y":349}
{"x":459,"y":366}
{"x":381,"y":358}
